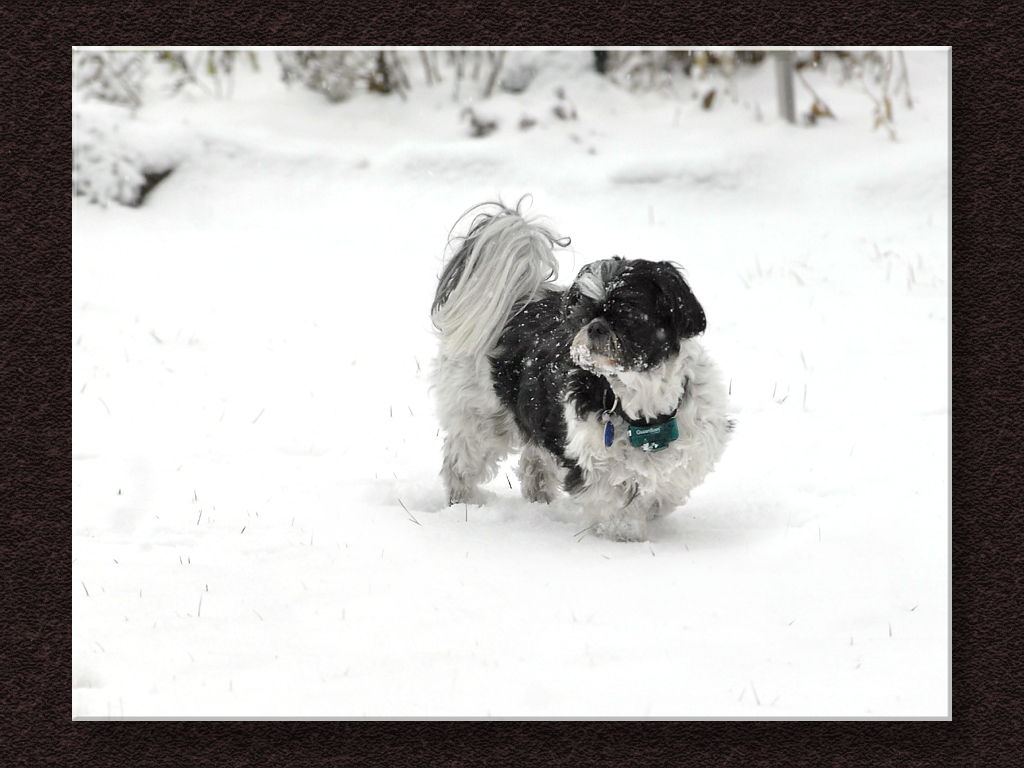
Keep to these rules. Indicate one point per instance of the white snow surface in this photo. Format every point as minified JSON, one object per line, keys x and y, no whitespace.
{"x":258,"y":524}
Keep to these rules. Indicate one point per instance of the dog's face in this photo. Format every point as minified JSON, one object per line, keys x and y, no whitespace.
{"x":631,"y":315}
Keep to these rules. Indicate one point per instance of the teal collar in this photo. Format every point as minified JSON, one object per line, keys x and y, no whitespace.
{"x":654,"y":438}
{"x":647,"y":434}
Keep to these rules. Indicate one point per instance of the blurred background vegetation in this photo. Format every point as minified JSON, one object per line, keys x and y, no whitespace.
{"x":105,"y":168}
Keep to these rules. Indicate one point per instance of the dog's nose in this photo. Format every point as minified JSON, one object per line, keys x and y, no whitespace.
{"x":598,"y":330}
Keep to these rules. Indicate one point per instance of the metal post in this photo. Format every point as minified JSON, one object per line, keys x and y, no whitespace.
{"x":784,"y":78}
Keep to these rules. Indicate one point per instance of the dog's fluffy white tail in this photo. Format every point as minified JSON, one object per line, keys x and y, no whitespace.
{"x":500,"y":265}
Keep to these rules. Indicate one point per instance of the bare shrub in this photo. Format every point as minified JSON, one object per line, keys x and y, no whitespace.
{"x":880,"y":75}
{"x":707,"y":73}
{"x":111,"y":76}
{"x":647,"y":70}
{"x":212,"y":72}
{"x":103,"y":168}
{"x":471,"y":65}
{"x":340,"y":74}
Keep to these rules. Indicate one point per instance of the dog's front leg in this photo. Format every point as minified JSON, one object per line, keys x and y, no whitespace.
{"x":617,"y":512}
{"x":538,"y":474}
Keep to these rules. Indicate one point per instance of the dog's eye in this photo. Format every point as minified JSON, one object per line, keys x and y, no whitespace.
{"x":578,"y":306}
{"x":638,"y":316}
{"x":626,"y":315}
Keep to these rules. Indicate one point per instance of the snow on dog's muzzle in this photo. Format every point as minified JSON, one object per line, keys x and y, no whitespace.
{"x":596,"y":348}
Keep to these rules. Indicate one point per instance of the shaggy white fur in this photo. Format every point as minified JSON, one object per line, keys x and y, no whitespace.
{"x":504,"y":270}
{"x":626,"y":486}
{"x":481,"y":432}
{"x":504,"y":263}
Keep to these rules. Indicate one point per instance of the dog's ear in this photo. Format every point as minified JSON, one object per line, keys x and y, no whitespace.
{"x":676,"y":297}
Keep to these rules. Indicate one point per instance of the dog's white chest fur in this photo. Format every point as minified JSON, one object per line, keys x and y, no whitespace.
{"x":640,"y":484}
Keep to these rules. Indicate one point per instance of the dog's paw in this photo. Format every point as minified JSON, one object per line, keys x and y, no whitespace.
{"x":538,"y":491}
{"x":465,"y":496}
{"x":622,"y":529}
{"x":538,"y":495}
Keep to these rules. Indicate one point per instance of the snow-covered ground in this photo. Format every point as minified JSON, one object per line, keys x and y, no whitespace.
{"x":258,"y":524}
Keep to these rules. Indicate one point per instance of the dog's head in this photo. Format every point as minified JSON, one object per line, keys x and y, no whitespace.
{"x":631,"y":315}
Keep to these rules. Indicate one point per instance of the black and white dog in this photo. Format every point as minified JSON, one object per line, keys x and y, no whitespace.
{"x":602,"y":387}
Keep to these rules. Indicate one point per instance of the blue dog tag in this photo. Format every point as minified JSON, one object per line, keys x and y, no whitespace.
{"x":609,"y":434}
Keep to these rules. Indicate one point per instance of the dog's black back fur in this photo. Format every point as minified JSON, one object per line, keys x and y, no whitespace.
{"x":531,"y":368}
